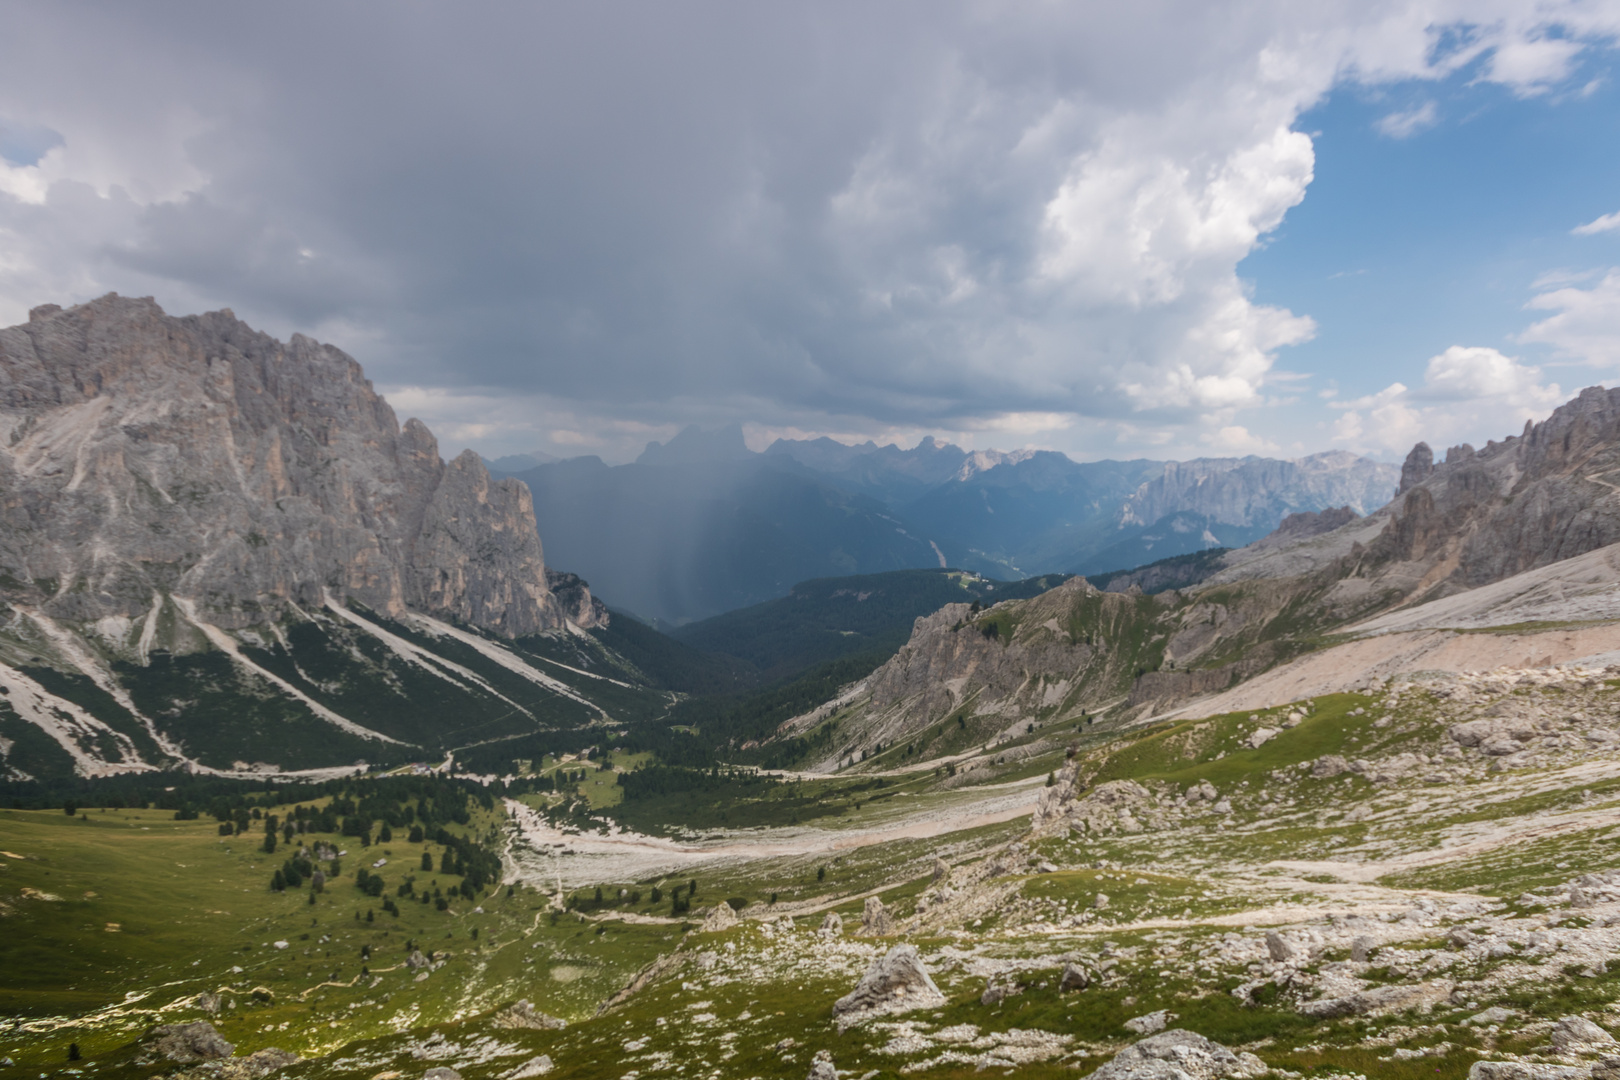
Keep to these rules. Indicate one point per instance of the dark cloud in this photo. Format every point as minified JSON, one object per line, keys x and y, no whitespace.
{"x":896,"y":216}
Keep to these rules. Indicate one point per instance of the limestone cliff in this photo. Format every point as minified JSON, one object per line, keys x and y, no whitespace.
{"x":143,"y":455}
{"x":1260,"y":491}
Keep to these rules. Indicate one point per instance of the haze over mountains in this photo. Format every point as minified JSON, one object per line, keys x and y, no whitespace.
{"x":704,"y":525}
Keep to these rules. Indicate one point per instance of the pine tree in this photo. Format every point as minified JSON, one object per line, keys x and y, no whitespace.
{"x":427,"y":862}
{"x":278,"y":883}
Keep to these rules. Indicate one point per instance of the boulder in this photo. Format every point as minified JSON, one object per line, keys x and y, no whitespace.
{"x":1361,"y":947}
{"x":1150,"y":1024}
{"x":441,"y":1072}
{"x":832,"y":924}
{"x":1379,"y":999}
{"x":188,"y":1043}
{"x":1099,"y":901}
{"x":721,"y":917}
{"x":521,"y":1014}
{"x":942,"y":869}
{"x":1578,"y":1035}
{"x":1607,"y":1068}
{"x":893,"y":982}
{"x":1279,"y":949}
{"x":1260,"y":736}
{"x":1329,"y":765}
{"x":875,"y":920}
{"x":417,"y":960}
{"x":261,"y":1063}
{"x":1074,"y":977}
{"x":1180,"y":1055}
{"x":1496,"y":1014}
{"x":208,"y":1002}
{"x":823,"y":1068}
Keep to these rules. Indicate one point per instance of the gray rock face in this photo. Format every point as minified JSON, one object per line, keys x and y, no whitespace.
{"x":1525,"y":502}
{"x":1180,"y":1055}
{"x":1578,"y":1035}
{"x":894,"y":982}
{"x":1310,"y":523}
{"x":1416,"y":468}
{"x":188,"y":1043}
{"x":143,"y":455}
{"x":1261,"y":491}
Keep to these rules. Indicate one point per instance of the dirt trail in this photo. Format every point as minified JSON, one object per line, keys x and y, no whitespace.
{"x":543,"y":855}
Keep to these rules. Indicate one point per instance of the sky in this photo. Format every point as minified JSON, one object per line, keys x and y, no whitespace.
{"x":1164,"y":230}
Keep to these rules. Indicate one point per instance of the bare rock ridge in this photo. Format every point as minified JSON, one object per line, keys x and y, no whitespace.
{"x":144,"y":456}
{"x":1528,"y":501}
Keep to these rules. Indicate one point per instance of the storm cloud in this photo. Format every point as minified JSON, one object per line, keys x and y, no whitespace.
{"x":576,"y":227}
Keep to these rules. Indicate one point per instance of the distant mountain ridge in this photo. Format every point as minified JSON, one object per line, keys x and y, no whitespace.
{"x":1293,"y":612}
{"x":702,"y":525}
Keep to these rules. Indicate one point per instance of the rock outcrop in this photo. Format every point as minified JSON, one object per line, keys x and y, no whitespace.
{"x":523,"y":1014}
{"x":722,"y":917}
{"x":895,"y":982}
{"x":875,"y":919}
{"x":1180,"y":1055}
{"x":188,"y":1043}
{"x":144,"y":456}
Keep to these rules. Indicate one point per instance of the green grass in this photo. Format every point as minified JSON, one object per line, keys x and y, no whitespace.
{"x":163,"y":910}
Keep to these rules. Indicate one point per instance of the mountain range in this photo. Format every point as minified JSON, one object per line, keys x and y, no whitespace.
{"x":1520,"y":538}
{"x":223,"y":553}
{"x":703,"y":525}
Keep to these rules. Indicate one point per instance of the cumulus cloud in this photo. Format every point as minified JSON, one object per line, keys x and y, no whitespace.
{"x":944,"y":217}
{"x":1586,"y":322}
{"x":1469,"y":394}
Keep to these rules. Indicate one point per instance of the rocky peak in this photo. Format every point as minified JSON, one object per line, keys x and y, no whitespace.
{"x":1483,"y":515}
{"x":143,"y":455}
{"x":1416,"y":468}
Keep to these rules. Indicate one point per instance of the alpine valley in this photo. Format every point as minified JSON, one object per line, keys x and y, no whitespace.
{"x":949,"y":763}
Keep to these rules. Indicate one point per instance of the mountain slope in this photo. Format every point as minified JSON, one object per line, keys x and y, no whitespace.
{"x":218,"y":550}
{"x":1515,"y":508}
{"x":827,"y":618}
